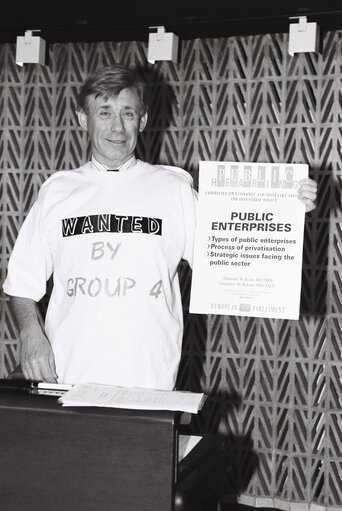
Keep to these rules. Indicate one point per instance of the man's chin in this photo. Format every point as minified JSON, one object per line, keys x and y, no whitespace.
{"x":116,"y":155}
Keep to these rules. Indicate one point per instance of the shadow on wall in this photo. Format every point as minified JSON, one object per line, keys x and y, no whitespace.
{"x":314,"y":293}
{"x":220,"y":409}
{"x":155,"y":145}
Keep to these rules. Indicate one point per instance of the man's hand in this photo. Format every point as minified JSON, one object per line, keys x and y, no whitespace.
{"x":37,"y":358}
{"x":307,"y":193}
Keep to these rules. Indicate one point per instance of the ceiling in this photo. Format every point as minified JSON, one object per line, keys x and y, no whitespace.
{"x":124,"y":20}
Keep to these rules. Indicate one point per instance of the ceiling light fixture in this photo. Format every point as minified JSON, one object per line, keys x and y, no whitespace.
{"x":30,"y":49}
{"x":162,"y":45}
{"x":303,"y":36}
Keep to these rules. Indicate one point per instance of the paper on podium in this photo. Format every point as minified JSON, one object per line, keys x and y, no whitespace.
{"x":89,"y":394}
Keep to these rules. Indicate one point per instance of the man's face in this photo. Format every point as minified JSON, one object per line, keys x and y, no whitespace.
{"x":113,"y":126}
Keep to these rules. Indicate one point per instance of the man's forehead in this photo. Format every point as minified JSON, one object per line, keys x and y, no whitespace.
{"x":125,"y":98}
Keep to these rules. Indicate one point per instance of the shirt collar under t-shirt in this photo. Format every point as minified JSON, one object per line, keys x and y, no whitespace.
{"x":101,"y":168}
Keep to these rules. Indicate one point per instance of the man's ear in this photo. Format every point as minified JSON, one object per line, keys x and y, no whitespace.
{"x":82,"y":118}
{"x":143,"y":122}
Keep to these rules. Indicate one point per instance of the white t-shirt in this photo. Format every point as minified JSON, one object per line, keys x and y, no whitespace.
{"x":113,"y":242}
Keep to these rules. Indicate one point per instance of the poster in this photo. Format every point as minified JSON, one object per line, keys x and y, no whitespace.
{"x":249,"y":240}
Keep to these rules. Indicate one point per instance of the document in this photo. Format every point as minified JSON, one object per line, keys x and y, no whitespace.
{"x":249,"y":241}
{"x":88,"y":394}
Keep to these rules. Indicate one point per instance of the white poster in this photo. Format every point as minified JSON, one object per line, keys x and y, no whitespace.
{"x":249,"y":241}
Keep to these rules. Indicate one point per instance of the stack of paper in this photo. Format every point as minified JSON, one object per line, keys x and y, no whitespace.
{"x":87,"y":394}
{"x":51,"y":389}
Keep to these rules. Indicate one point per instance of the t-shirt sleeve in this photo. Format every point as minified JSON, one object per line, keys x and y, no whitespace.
{"x":30,"y":265}
{"x":189,"y":198}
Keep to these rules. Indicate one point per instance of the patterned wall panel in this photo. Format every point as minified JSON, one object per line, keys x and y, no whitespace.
{"x":274,"y":386}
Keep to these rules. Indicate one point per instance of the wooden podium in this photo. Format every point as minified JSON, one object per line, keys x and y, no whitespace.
{"x":84,"y":459}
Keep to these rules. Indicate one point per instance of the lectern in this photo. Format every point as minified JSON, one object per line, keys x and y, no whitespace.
{"x":84,"y":459}
{"x":99,"y":459}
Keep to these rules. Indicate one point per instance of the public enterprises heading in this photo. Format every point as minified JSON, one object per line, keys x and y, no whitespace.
{"x":249,"y":221}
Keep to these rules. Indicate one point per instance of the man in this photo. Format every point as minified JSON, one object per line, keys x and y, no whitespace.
{"x":112,"y":234}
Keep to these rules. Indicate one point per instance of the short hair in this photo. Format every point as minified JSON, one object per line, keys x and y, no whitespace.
{"x":108,"y":82}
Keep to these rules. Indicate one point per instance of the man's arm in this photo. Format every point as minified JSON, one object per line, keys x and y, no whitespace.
{"x":36,"y":355}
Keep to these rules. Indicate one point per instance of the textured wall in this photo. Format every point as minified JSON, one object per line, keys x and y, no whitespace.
{"x":275,"y":386}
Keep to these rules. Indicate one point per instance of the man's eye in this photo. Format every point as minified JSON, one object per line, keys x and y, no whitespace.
{"x":104,"y":113}
{"x":128,"y":115}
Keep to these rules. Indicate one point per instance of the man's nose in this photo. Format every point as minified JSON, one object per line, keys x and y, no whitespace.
{"x":117,"y":123}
